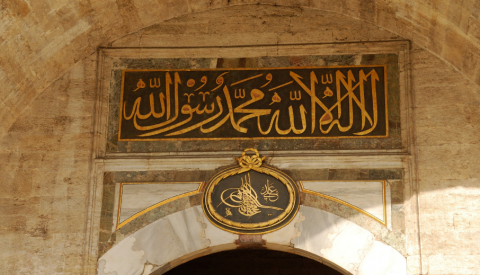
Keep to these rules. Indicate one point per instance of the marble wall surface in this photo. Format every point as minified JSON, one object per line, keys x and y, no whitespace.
{"x":135,"y":197}
{"x":393,"y":234}
{"x":366,"y":195}
{"x":188,"y":234}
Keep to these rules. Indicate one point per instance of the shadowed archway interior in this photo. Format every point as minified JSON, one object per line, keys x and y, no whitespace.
{"x":253,"y":262}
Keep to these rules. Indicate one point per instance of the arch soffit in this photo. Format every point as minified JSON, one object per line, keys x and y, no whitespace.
{"x":313,"y":233}
{"x":449,"y":36}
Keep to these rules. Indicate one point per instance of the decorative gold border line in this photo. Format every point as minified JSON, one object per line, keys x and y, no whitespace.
{"x":348,"y":204}
{"x":386,"y":98}
{"x":252,"y":69}
{"x":252,"y":138}
{"x":119,"y":225}
{"x":121,"y":106}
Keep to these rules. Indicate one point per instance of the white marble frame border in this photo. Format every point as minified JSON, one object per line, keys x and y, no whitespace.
{"x":378,"y":162}
{"x":314,"y":233}
{"x":314,"y":159}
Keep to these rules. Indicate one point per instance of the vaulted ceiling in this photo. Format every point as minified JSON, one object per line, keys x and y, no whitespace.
{"x":41,"y":39}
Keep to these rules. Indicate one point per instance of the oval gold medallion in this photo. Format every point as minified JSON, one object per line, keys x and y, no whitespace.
{"x":250,"y":198}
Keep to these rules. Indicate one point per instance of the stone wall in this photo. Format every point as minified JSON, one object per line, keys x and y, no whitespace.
{"x":44,"y":173}
{"x":38,"y":34}
{"x":45,"y":151}
{"x":448,"y":147}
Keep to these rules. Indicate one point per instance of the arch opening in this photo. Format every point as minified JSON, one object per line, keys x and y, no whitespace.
{"x":255,"y":261}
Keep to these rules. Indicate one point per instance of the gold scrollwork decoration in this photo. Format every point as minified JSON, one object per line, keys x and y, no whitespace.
{"x":250,"y":161}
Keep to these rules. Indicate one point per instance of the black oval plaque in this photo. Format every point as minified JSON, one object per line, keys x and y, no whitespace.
{"x":250,"y":198}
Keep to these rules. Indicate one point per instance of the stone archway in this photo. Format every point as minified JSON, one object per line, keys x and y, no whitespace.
{"x":448,"y":35}
{"x":314,"y":233}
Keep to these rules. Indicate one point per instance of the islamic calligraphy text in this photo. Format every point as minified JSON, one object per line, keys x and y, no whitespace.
{"x":348,"y":101}
{"x":244,"y":198}
{"x":269,"y":192}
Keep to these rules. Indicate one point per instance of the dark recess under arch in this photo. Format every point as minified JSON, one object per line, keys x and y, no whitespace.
{"x":252,"y":262}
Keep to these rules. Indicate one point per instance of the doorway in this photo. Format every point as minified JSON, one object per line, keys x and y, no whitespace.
{"x":252,"y":262}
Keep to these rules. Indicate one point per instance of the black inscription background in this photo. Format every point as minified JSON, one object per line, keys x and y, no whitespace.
{"x":258,"y":180}
{"x":226,"y":130}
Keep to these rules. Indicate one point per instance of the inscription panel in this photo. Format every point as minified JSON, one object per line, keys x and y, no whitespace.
{"x":266,"y":103}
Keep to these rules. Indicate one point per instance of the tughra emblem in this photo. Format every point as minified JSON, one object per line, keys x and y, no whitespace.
{"x":250,"y":198}
{"x":245,"y":198}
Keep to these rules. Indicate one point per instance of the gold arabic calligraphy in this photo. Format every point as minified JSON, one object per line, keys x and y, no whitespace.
{"x":245,"y":198}
{"x":216,"y":109}
{"x":269,"y":192}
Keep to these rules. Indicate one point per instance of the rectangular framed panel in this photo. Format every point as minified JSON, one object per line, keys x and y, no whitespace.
{"x":254,"y":103}
{"x":302,"y":101}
